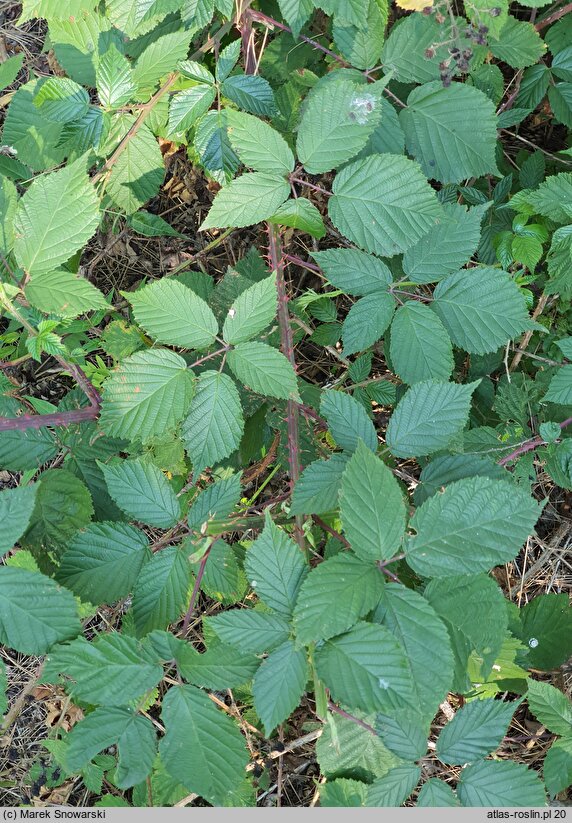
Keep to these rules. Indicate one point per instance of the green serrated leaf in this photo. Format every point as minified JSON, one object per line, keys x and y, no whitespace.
{"x":354,"y":271}
{"x":383,"y":204}
{"x":62,"y":100}
{"x":346,"y":748}
{"x":16,"y":507}
{"x":214,"y":425}
{"x":55,"y":217}
{"x":446,"y":469}
{"x":217,"y":500}
{"x":115,"y":85}
{"x":474,"y":610}
{"x":250,"y":630}
{"x":202,"y":748}
{"x":436,"y":793}
{"x":137,"y":174}
{"x":276,"y":568}
{"x":220,"y":667}
{"x":251,"y":93}
{"x":546,"y":630}
{"x":318,"y":487}
{"x":279,"y":684}
{"x":423,"y":636}
{"x":112,"y":669}
{"x":550,"y":707}
{"x":35,"y":613}
{"x":227,"y":60}
{"x":160,"y":57}
{"x":263,"y":369}
{"x":187,"y":106}
{"x":103,"y":561}
{"x":172,"y":313}
{"x":372,"y":507}
{"x":393,"y":788}
{"x":347,"y":420}
{"x":405,"y":738}
{"x":64,"y":294}
{"x":518,"y":44}
{"x":148,"y":394}
{"x":481,"y":309}
{"x":259,"y":146}
{"x":500,"y":783}
{"x":420,"y":347}
{"x":446,"y":247}
{"x":63,"y":505}
{"x":338,"y":120}
{"x":251,"y":312}
{"x":296,"y":13}
{"x":365,"y":668}
{"x":133,"y":734}
{"x":161,"y":590}
{"x":334,"y":596}
{"x":142,"y":491}
{"x":560,"y":387}
{"x":557,"y":766}
{"x":342,"y":793}
{"x":214,"y":148}
{"x":473,"y":525}
{"x":366,"y":321}
{"x":476,"y":730}
{"x":427,"y":417}
{"x":451,"y":131}
{"x":300,"y":214}
{"x":249,"y":199}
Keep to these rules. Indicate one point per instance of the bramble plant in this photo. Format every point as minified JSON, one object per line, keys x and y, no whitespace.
{"x":339,"y":542}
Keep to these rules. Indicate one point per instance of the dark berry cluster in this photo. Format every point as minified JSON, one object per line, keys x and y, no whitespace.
{"x":446,"y":73}
{"x":461,"y":58}
{"x":478,"y":34}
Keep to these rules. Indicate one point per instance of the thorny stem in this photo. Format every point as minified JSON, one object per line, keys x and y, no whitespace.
{"x":270,"y":21}
{"x":287,"y":346}
{"x":556,"y":15}
{"x":37,"y":421}
{"x":529,"y":445}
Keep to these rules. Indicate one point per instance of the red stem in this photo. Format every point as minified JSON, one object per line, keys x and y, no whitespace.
{"x":196,"y":587}
{"x":37,"y":421}
{"x":310,"y":186}
{"x":270,"y":21}
{"x":247,"y":34}
{"x":336,"y":709}
{"x":529,"y":445}
{"x":556,"y":15}
{"x":323,"y":525}
{"x":299,"y":262}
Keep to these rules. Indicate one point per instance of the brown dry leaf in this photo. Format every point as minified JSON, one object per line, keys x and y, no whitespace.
{"x":55,"y":67}
{"x":43,"y":692}
{"x":168,"y":148}
{"x":60,"y":795}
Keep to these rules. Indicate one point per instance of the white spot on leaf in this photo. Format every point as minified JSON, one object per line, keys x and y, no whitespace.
{"x":361,"y":107}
